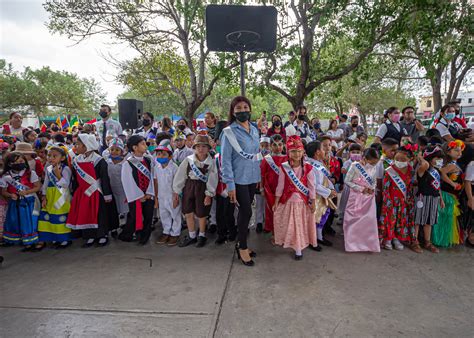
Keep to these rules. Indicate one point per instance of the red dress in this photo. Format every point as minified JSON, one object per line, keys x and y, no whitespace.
{"x":270,"y":180}
{"x":84,"y":209}
{"x":398,"y":212}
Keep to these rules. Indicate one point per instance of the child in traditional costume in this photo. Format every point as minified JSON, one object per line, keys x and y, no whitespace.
{"x":360,"y":219}
{"x":295,"y":201}
{"x":260,"y":215}
{"x":270,"y":171}
{"x":389,"y":149}
{"x":469,"y":198}
{"x":397,"y":217}
{"x":165,"y":171}
{"x":428,"y":198}
{"x":56,"y":201}
{"x":91,"y":193}
{"x":4,"y":147}
{"x":20,"y":188}
{"x":196,"y":180}
{"x":448,"y":232}
{"x":137,"y":179}
{"x":115,"y":161}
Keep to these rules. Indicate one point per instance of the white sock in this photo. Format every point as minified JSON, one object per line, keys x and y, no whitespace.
{"x":90,"y":241}
{"x":320,"y":233}
{"x":192,"y":234}
{"x":102,"y":240}
{"x":298,"y":252}
{"x":202,"y":234}
{"x":64,"y":243}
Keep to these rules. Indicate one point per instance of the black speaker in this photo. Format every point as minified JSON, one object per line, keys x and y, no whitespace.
{"x":232,"y":28}
{"x":130,"y":113}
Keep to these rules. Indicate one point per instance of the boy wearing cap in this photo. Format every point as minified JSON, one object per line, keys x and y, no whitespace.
{"x":196,"y":180}
{"x":165,"y":171}
{"x":181,"y":151}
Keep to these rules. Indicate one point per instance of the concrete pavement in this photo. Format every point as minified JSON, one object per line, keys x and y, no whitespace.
{"x":127,"y":291}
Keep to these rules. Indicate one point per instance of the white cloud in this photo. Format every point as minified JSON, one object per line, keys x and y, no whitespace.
{"x":25,"y":41}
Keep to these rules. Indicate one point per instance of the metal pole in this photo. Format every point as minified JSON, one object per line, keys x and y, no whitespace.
{"x":242,"y":73}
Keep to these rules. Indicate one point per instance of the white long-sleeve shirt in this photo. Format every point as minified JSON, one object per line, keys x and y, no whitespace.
{"x":132,"y":191}
{"x":319,"y":178}
{"x":212,"y":175}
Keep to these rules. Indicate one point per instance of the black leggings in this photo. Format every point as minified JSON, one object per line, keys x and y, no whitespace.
{"x":245,"y":195}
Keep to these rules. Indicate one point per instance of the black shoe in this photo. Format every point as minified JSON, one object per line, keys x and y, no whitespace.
{"x":298,"y":257}
{"x":27,"y":249}
{"x":201,"y":241}
{"x":249,"y":263}
{"x":212,"y":229}
{"x":232,"y":237}
{"x":104,"y":243}
{"x":325,"y":242}
{"x":187,"y":241}
{"x":87,"y":244}
{"x":329,"y":231}
{"x":316,"y":248}
{"x":259,"y":228}
{"x":221,"y":240}
{"x":114,"y":234}
{"x":60,"y":246}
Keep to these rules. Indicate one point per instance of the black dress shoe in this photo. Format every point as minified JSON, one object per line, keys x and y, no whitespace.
{"x":87,"y":244}
{"x":104,"y":243}
{"x":201,"y":241}
{"x":232,"y":237}
{"x":315,"y":248}
{"x":221,"y":240}
{"x":114,"y":234}
{"x":60,"y":246}
{"x":212,"y":229}
{"x":325,"y":242}
{"x":329,"y":231}
{"x":298,"y":257}
{"x":187,"y":241}
{"x":259,"y":228}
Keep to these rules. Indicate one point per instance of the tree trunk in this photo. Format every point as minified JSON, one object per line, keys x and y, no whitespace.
{"x":436,"y":88}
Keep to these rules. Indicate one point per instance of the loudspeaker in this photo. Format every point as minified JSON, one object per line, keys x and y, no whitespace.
{"x":130,"y":113}
{"x":233,"y":28}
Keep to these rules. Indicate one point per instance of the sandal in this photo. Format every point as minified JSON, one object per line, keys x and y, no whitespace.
{"x":429,"y":246}
{"x":415,"y":246}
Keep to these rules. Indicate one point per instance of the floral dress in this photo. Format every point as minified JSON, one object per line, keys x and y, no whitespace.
{"x":398,"y":217}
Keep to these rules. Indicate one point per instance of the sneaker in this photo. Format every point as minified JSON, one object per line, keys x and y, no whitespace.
{"x":201,"y":241}
{"x":415,"y":246}
{"x":259,"y":228}
{"x":397,"y":245}
{"x":387,"y":245}
{"x":187,"y":241}
{"x":163,"y":239}
{"x":173,"y":240}
{"x":212,"y":228}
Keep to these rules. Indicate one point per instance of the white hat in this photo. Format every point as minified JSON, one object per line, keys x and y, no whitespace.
{"x":89,"y":141}
{"x":264,"y":139}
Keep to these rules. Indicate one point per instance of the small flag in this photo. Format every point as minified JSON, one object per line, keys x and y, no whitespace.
{"x":58,"y":121}
{"x":43,"y":127}
{"x":64,"y":123}
{"x":91,"y":121}
{"x":74,"y":121}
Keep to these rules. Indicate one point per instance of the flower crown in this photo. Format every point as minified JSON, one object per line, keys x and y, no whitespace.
{"x":410,"y":147}
{"x":455,"y":144}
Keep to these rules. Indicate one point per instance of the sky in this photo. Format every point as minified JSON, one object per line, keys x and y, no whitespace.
{"x":25,"y":41}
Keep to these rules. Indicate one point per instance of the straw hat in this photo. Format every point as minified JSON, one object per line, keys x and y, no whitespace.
{"x":24,"y":148}
{"x":202,"y":139}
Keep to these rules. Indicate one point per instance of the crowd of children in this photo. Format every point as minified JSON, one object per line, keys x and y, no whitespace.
{"x":392,"y":194}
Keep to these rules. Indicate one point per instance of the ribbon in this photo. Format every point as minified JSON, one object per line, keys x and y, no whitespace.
{"x":295,"y":180}
{"x":196,"y":170}
{"x":94,"y":185}
{"x":364,"y":174}
{"x":272,"y":164}
{"x":321,"y":168}
{"x":437,"y":178}
{"x":235,"y":144}
{"x":139,"y":165}
{"x":64,"y":192}
{"x":398,"y":181}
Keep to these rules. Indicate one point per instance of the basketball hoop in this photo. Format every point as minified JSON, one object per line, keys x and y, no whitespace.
{"x":243,"y":40}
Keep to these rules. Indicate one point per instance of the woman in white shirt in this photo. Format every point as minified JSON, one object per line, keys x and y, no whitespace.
{"x":336,"y":135}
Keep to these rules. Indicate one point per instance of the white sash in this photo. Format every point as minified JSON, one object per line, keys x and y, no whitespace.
{"x":17,"y":185}
{"x":321,"y":168}
{"x":94,"y":184}
{"x":398,"y":181}
{"x":235,"y":144}
{"x":295,"y":180}
{"x":196,"y":170}
{"x":437,"y":178}
{"x":139,"y":165}
{"x":272,"y":164}
{"x":364,"y":174}
{"x":64,"y":192}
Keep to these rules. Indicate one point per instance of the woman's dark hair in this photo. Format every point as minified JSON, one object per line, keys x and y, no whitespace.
{"x":12,"y":158}
{"x":331,"y":121}
{"x":371,"y":154}
{"x":389,"y":111}
{"x":276,"y":138}
{"x":302,"y":107}
{"x":276,"y":115}
{"x":133,"y":141}
{"x":355,"y":146}
{"x":150,"y":115}
{"x":312,"y":147}
{"x":446,"y":107}
{"x":13,"y":114}
{"x":235,"y":101}
{"x":185,"y":121}
{"x":166,"y":123}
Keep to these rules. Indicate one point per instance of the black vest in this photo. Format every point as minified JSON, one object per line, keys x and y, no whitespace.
{"x":392,"y":132}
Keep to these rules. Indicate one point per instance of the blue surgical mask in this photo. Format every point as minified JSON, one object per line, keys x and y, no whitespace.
{"x":151,"y":148}
{"x":450,"y":116}
{"x":162,"y":160}
{"x":116,"y":158}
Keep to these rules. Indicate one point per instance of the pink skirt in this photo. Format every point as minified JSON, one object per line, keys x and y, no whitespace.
{"x":294,"y":225}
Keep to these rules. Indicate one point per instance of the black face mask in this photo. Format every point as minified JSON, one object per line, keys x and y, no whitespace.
{"x":355,"y":124}
{"x":277,"y":123}
{"x":242,"y":116}
{"x":317,"y":125}
{"x":103,"y":114}
{"x":146,"y":122}
{"x":301,"y":117}
{"x":18,"y":166}
{"x":181,"y":127}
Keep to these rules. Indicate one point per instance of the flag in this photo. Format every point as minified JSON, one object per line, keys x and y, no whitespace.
{"x":64,"y":123}
{"x":91,"y":121}
{"x":43,"y":127}
{"x":74,"y":121}
{"x":58,"y":121}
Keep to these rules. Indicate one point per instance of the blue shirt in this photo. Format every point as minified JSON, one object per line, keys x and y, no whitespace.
{"x":235,"y":168}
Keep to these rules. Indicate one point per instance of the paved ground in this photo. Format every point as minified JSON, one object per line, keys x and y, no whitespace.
{"x":125,"y":290}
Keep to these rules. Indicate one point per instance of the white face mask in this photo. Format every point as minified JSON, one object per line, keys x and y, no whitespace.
{"x":400,"y":165}
{"x":438,"y":163}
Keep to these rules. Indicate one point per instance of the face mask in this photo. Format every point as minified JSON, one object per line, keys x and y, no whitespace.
{"x":277,"y":123}
{"x":103,"y":114}
{"x":181,"y":127}
{"x":116,"y":158}
{"x":301,"y":117}
{"x":354,"y":124}
{"x":438,"y":163}
{"x":356,"y":157}
{"x":18,"y":166}
{"x":162,"y":160}
{"x":218,"y":149}
{"x":146,"y":123}
{"x":395,"y":118}
{"x":265,"y":152}
{"x":242,"y":116}
{"x":317,"y":125}
{"x":151,"y":148}
{"x":400,"y":165}
{"x":450,"y":116}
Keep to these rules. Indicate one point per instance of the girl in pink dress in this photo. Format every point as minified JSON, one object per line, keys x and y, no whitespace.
{"x":294,"y":201}
{"x":360,"y":217}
